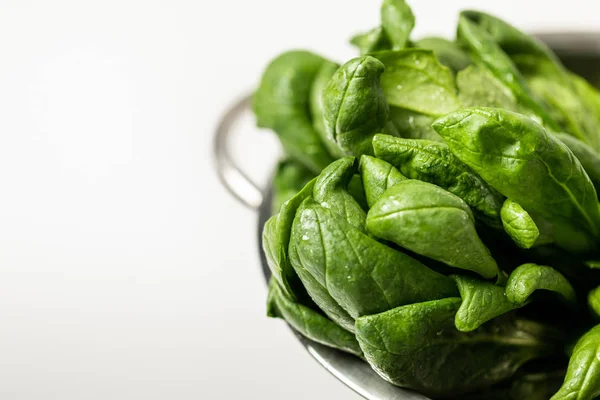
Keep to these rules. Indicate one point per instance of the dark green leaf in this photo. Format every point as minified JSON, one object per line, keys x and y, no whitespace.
{"x":583,"y":375}
{"x":430,"y":221}
{"x":310,"y":323}
{"x":518,"y":158}
{"x":416,"y":81}
{"x":413,"y":125}
{"x":290,"y":178}
{"x":416,"y":346}
{"x":354,"y":105}
{"x":594,"y":302}
{"x":528,"y":278}
{"x":434,"y":162}
{"x":281,"y":104}
{"x":331,"y":191}
{"x":377,"y":176}
{"x":481,"y":302}
{"x":276,"y":237}
{"x":587,"y":156}
{"x":361,"y":274}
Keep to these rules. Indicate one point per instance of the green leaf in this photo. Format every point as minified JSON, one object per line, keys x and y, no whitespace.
{"x":528,"y":278}
{"x":356,"y":189}
{"x":481,"y":302}
{"x":518,"y":158}
{"x":478,"y":87}
{"x":486,"y":52}
{"x":312,"y":324}
{"x":412,"y":125}
{"x":377,"y":176}
{"x":594,"y":303}
{"x":434,"y":163}
{"x":583,"y":375}
{"x":290,"y":178}
{"x":354,"y":105}
{"x":414,"y":80}
{"x":417,"y":347}
{"x":371,"y":41}
{"x":331,"y":192}
{"x":276,"y":237}
{"x":319,"y":84}
{"x":361,"y":274}
{"x":519,"y":225}
{"x":281,"y":104}
{"x":430,"y":221}
{"x":397,"y":21}
{"x":587,"y":156}
{"x":448,"y":53}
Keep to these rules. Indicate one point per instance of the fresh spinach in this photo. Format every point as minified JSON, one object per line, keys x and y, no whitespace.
{"x":290,"y":178}
{"x":430,"y":221}
{"x":377,"y":176}
{"x":528,"y":278}
{"x":583,"y":375}
{"x":354,"y":105}
{"x":514,"y":154}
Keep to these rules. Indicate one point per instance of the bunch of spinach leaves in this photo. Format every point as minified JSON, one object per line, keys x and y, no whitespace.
{"x":437,"y":213}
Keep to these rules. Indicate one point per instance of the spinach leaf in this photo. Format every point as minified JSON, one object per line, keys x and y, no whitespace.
{"x":583,"y":375}
{"x":290,"y":178}
{"x":528,"y":278}
{"x":319,"y":84}
{"x":478,"y":87}
{"x":448,"y":53}
{"x":371,"y":41}
{"x":430,"y":221}
{"x":356,"y":189}
{"x":518,"y":158}
{"x":377,"y":176}
{"x":361,"y":274}
{"x":587,"y":156}
{"x":481,"y":302}
{"x":281,"y":104}
{"x":310,"y":323}
{"x":414,"y":80}
{"x":397,"y":21}
{"x":412,"y":125}
{"x":486,"y":52}
{"x":434,"y":162}
{"x":331,"y":191}
{"x":276,"y":237}
{"x":519,"y":225}
{"x":354,"y":105}
{"x":594,"y":302}
{"x":416,"y":346}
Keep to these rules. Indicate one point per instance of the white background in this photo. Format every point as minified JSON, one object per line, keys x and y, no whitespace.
{"x":126,"y":271}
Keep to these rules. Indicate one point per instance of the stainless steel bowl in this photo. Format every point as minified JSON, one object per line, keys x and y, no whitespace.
{"x":580,"y":52}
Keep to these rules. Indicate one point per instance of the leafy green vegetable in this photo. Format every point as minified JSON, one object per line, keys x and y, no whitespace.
{"x":594,"y":302}
{"x":377,"y":176}
{"x":416,"y":346}
{"x":519,"y":225}
{"x":432,"y":222}
{"x":319,"y":84}
{"x":481,"y":302}
{"x":281,"y":104}
{"x":487,"y":53}
{"x":528,"y":278}
{"x":515,"y":155}
{"x":587,"y":156}
{"x":309,"y":322}
{"x":276,"y":237}
{"x":583,"y":375}
{"x":414,"y":80}
{"x":397,"y":21}
{"x":354,"y":105}
{"x":331,"y":191}
{"x":290,"y":178}
{"x":478,"y":177}
{"x":434,"y":162}
{"x":447,"y":52}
